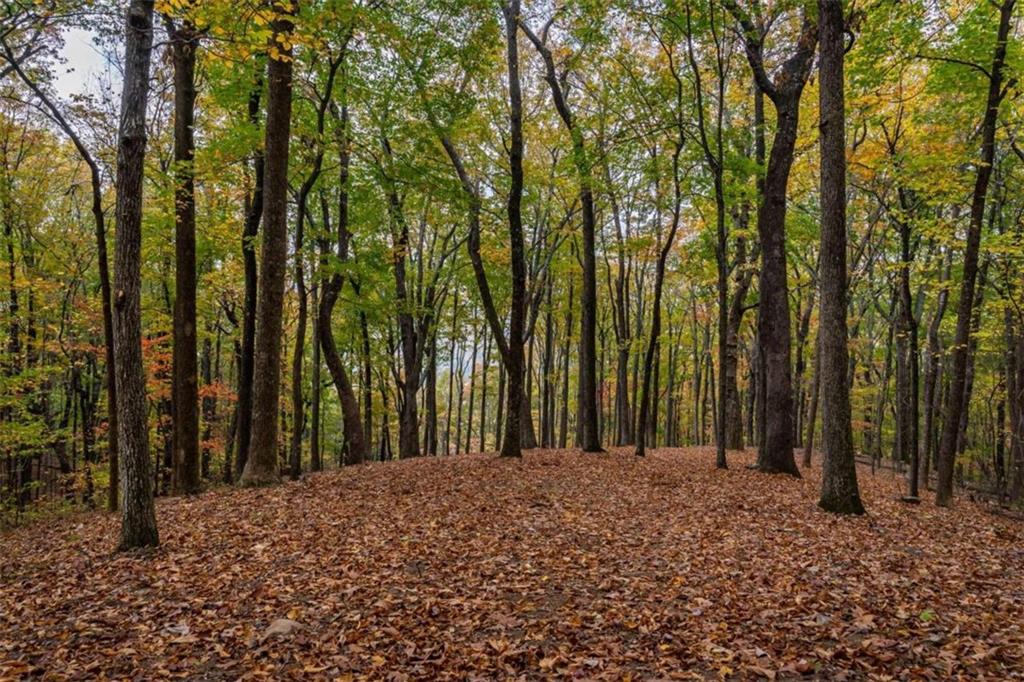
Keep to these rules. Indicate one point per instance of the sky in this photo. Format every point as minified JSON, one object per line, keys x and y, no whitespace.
{"x":84,"y":64}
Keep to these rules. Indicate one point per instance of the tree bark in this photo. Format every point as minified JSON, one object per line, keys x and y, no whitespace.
{"x":776,"y":454}
{"x":996,"y":93}
{"x":839,"y":491}
{"x":253,"y":216}
{"x":185,"y":381}
{"x":261,"y":468}
{"x":138,"y":516}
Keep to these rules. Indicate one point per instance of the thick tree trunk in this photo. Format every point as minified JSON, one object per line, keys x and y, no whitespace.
{"x":138,"y":516}
{"x":776,"y":453}
{"x":996,"y":93}
{"x":185,"y":382}
{"x":909,"y":399}
{"x":839,"y":491}
{"x":773,"y":313}
{"x":261,"y":467}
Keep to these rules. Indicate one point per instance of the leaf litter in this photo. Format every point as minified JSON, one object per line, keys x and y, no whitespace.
{"x":564,"y":565}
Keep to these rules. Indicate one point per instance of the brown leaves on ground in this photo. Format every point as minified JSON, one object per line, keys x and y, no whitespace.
{"x":561,"y":565}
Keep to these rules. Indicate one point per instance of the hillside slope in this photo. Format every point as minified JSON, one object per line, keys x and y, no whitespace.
{"x":598,"y":566}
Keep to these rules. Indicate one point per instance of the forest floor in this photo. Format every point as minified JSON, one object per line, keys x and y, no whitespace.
{"x":561,"y":565}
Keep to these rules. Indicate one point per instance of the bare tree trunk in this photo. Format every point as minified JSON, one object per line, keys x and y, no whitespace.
{"x":253,"y":216}
{"x":588,"y":330}
{"x":138,"y":516}
{"x":185,"y":382}
{"x":996,"y":93}
{"x":261,"y":467}
{"x":511,"y":446}
{"x":315,"y":460}
{"x":839,"y":491}
{"x":776,"y":455}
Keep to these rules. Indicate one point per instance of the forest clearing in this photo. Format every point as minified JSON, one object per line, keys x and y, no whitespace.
{"x":511,"y":339}
{"x":563,"y":564}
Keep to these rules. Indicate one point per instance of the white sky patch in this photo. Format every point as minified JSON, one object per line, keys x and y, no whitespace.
{"x":84,"y":67}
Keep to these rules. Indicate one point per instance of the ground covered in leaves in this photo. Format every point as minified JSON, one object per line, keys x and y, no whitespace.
{"x":561,"y":565}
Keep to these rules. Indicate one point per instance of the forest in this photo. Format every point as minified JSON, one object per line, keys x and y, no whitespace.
{"x":614,"y":339}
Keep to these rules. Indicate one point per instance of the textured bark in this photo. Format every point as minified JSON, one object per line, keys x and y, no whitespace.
{"x":996,"y":93}
{"x":138,"y":516}
{"x":262,"y":465}
{"x":185,"y":380}
{"x":253,"y":216}
{"x":776,"y":454}
{"x":909,"y":399}
{"x":511,"y":445}
{"x":839,"y":491}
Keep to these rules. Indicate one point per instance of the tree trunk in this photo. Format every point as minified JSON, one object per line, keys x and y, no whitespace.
{"x":185,"y":382}
{"x":261,"y":468}
{"x":776,"y":454}
{"x":511,"y":446}
{"x":563,"y":425}
{"x":138,"y":516}
{"x":812,"y":410}
{"x":588,"y":329}
{"x":996,"y":93}
{"x":355,"y":449}
{"x":253,"y":216}
{"x":839,"y":491}
{"x":315,"y":460}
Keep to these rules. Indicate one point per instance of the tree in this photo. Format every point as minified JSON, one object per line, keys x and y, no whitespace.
{"x":591,"y":441}
{"x":839,"y":491}
{"x":261,"y":467}
{"x":138,"y":516}
{"x":773,"y":328}
{"x":186,"y":476}
{"x":965,"y":308}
